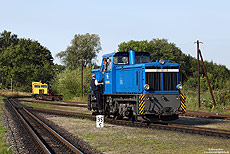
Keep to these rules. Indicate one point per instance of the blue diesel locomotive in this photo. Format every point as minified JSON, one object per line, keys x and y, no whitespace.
{"x":138,"y":89}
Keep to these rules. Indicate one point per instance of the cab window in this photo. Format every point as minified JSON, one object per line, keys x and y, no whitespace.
{"x":43,"y":86}
{"x":121,"y":59}
{"x":109,"y":63}
{"x":36,"y":86}
{"x":142,"y":57}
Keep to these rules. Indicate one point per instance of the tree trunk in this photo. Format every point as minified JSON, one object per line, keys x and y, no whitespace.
{"x":11,"y":84}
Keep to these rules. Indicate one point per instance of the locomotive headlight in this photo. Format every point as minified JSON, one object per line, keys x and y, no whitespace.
{"x":161,"y":61}
{"x":179,"y":86}
{"x":146,"y":86}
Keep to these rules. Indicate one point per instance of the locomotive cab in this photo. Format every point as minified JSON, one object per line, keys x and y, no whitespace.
{"x":136,"y":88}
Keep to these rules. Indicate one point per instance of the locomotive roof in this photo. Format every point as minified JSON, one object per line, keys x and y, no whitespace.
{"x":124,"y":53}
{"x":152,"y":64}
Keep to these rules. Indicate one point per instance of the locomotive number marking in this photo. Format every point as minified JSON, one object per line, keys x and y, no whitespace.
{"x":161,"y":70}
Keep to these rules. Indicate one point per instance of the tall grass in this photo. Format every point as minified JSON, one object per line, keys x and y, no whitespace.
{"x":206,"y":104}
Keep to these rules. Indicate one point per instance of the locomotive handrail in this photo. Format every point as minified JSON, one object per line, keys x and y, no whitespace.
{"x":142,"y":81}
{"x":138,"y":80}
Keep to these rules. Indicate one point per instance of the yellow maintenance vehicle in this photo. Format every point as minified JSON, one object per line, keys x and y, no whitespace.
{"x":41,"y":91}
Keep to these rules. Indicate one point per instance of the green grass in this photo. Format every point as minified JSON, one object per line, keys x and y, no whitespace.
{"x":57,"y":107}
{"x":7,"y":94}
{"x":2,"y":97}
{"x":76,"y":99}
{"x":38,"y":105}
{"x":4,"y":148}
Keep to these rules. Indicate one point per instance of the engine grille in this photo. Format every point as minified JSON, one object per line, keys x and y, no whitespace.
{"x":170,"y":79}
{"x":154,"y":81}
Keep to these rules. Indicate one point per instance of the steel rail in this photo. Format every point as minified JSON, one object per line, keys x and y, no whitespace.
{"x":68,"y":144}
{"x":162,"y":126}
{"x":59,"y":137}
{"x":210,"y":115}
{"x":44,"y":148}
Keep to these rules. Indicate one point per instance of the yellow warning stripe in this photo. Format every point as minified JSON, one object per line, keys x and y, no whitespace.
{"x":183,"y":102}
{"x":142,"y":107}
{"x":142,"y":110}
{"x":183,"y":105}
{"x":141,"y":104}
{"x":182,"y":96}
{"x":141,"y":97}
{"x":142,"y":101}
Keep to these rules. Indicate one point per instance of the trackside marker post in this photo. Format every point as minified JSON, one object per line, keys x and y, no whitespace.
{"x":100,"y":121}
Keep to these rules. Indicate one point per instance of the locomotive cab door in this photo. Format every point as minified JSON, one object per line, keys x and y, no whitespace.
{"x":108,"y":76}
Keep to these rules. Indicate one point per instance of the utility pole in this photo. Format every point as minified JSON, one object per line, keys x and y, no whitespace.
{"x":199,"y":55}
{"x":198,"y":71}
{"x":82,"y":79}
{"x":209,"y":86}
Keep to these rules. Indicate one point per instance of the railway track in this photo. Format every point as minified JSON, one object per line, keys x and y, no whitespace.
{"x":161,"y":126}
{"x":46,"y":140}
{"x":209,"y":115}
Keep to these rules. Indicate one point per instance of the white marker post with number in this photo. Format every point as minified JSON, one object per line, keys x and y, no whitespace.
{"x":100,"y":121}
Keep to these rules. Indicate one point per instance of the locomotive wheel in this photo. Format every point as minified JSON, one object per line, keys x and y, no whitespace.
{"x":119,"y":117}
{"x":107,"y":114}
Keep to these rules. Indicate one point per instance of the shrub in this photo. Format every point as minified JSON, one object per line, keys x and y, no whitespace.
{"x":68,"y":82}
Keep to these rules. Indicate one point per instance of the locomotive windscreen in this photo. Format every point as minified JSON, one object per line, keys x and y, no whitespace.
{"x":142,"y":57}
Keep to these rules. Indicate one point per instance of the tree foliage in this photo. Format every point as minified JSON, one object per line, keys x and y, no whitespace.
{"x":24,"y":62}
{"x":84,"y":47}
{"x":7,"y":39}
{"x":68,"y":82}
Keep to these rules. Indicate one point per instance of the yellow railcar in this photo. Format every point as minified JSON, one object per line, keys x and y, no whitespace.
{"x":39,"y":88}
{"x":41,"y":91}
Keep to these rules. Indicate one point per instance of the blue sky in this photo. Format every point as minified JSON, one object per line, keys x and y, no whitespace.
{"x":54,"y":23}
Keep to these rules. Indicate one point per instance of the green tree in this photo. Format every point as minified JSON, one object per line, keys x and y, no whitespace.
{"x":83,"y":47}
{"x":7,"y":39}
{"x":26,"y":62}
